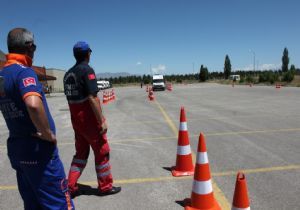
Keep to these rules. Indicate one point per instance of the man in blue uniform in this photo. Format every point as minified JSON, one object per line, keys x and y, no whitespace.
{"x":31,"y":144}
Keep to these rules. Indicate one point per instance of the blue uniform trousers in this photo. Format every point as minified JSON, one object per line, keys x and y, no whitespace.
{"x":40,"y":174}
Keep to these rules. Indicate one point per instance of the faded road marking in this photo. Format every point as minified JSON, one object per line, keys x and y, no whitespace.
{"x":171,"y":178}
{"x":230,"y":133}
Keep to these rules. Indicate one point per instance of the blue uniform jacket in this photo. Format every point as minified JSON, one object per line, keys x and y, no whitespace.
{"x":18,"y":80}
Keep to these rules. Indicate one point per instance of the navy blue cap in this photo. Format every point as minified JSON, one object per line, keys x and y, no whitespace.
{"x":81,"y":46}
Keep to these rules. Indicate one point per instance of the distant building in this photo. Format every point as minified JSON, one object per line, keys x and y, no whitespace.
{"x":2,"y":59}
{"x":2,"y":56}
{"x":56,"y":85}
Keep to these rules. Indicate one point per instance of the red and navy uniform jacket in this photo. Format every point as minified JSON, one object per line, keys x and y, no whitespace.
{"x":19,"y":82}
{"x":79,"y":83}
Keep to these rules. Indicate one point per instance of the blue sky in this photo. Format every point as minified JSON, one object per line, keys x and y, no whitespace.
{"x":169,"y":36}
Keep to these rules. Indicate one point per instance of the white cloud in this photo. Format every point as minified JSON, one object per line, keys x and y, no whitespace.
{"x":269,"y":66}
{"x":246,"y":68}
{"x":159,"y":69}
{"x":138,"y":63}
{"x":266,"y":66}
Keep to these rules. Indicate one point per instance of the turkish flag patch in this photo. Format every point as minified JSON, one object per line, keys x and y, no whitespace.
{"x":29,"y":81}
{"x":92,"y":76}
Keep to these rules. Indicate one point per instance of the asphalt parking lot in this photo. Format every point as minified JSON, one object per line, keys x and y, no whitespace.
{"x":252,"y":129}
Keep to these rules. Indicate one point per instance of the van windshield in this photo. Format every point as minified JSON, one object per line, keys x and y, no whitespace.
{"x":158,"y":80}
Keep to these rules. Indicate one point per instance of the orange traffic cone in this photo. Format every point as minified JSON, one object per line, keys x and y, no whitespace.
{"x":240,"y":197}
{"x":105,"y":97}
{"x":170,"y":87}
{"x":110,"y":97}
{"x":202,"y":197}
{"x":151,"y":95}
{"x":184,"y":161}
{"x":113,"y":95}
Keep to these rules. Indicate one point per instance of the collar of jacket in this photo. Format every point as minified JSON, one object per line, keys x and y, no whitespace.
{"x":13,"y":58}
{"x":82,"y":62}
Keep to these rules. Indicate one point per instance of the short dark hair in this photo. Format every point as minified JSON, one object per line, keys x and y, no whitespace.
{"x":18,"y":40}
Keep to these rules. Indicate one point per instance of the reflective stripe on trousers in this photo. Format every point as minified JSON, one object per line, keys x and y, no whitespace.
{"x":103,"y":170}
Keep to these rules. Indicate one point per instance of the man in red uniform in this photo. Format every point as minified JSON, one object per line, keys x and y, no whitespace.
{"x":88,"y":122}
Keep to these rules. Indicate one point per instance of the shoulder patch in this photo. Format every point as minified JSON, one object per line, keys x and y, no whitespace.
{"x":29,"y":81}
{"x":91,"y":76}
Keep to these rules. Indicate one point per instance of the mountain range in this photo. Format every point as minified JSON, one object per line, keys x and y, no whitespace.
{"x":107,"y":75}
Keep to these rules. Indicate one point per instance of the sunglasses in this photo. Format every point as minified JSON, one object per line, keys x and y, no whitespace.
{"x":31,"y":44}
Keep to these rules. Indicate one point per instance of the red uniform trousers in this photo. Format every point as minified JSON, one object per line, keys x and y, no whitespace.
{"x":87,"y":134}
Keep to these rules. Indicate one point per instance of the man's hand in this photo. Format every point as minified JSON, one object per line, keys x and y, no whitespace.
{"x":39,"y":118}
{"x":103,"y":128}
{"x":48,"y":136}
{"x":96,"y":107}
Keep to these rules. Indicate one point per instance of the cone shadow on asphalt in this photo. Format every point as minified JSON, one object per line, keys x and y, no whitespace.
{"x":167,"y":168}
{"x":181,"y":203}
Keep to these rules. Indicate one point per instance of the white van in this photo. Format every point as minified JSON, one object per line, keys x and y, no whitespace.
{"x":106,"y":84}
{"x":158,"y":82}
{"x":235,"y":77}
{"x":101,"y":84}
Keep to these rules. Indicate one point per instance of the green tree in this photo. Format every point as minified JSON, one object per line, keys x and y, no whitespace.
{"x":227,"y":67}
{"x":206,"y":73}
{"x":288,"y":76}
{"x":250,"y":79}
{"x":285,"y":60}
{"x":203,"y":74}
{"x":293,"y":69}
{"x":268,"y":76}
